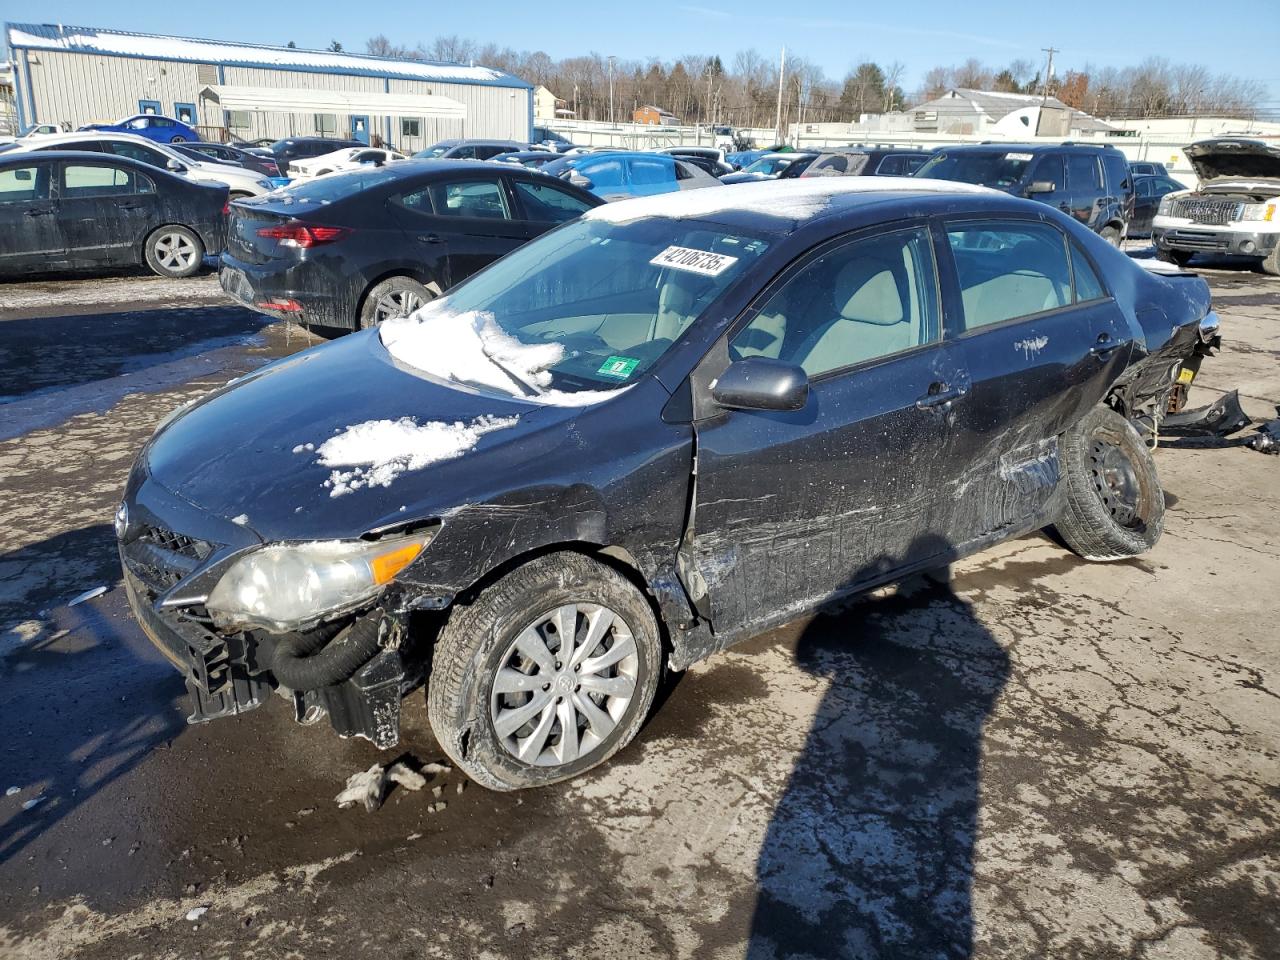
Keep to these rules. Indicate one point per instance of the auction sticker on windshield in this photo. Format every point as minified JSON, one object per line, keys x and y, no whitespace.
{"x":695,"y":261}
{"x":1017,"y":156}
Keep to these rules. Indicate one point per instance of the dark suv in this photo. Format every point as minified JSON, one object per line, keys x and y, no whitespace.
{"x":1092,"y":184}
{"x":303,"y":148}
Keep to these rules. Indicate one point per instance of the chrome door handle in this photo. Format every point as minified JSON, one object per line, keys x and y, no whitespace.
{"x":1105,"y":346}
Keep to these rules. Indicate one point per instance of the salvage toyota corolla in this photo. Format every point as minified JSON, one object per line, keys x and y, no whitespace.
{"x":639,"y":439}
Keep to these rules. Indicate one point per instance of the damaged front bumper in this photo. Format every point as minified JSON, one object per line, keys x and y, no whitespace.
{"x":169,"y":553}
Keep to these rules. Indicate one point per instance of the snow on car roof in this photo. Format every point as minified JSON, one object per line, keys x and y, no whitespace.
{"x":195,"y":50}
{"x":798,"y":199}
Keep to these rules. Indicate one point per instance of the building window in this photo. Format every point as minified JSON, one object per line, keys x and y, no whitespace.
{"x":238,"y":119}
{"x":326,"y":124}
{"x":206,"y":73}
{"x":410,"y":127}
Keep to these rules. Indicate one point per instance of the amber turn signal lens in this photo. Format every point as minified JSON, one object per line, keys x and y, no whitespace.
{"x":386,"y":566}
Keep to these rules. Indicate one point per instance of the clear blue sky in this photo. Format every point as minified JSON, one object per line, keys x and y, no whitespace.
{"x":834,"y":33}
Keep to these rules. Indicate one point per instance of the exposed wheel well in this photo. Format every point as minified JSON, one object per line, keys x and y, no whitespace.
{"x":618,"y":558}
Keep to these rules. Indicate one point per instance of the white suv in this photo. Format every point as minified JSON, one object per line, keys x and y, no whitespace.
{"x":240,"y":182}
{"x":1235,"y":210}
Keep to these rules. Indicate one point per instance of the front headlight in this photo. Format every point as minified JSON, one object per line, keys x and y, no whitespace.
{"x":1166,"y":205}
{"x":285,"y":586}
{"x":1259,"y":211}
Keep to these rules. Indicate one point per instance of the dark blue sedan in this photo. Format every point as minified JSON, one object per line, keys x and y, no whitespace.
{"x":152,"y":126}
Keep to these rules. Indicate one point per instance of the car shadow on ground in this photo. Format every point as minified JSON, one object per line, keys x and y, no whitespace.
{"x":870,"y":849}
{"x":82,"y":709}
{"x":56,"y":353}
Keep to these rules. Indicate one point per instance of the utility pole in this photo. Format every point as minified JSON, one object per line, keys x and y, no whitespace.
{"x":777,"y":123}
{"x":1048,"y":73}
{"x":611,"y":60}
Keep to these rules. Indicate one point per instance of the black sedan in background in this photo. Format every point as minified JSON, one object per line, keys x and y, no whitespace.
{"x":670,"y":426}
{"x":74,"y":210}
{"x":1148,"y":189}
{"x":353,"y":249}
{"x":225,"y":153}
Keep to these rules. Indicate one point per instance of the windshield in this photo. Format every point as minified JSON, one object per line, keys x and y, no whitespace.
{"x":588,"y":308}
{"x":439,"y":150}
{"x":999,"y":170}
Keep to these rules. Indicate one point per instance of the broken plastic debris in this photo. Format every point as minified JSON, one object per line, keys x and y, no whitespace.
{"x":195,"y":913}
{"x":88,"y":595}
{"x":1267,"y":439}
{"x":1219,"y":419}
{"x":12,"y":790}
{"x":32,"y":802}
{"x":369,"y":786}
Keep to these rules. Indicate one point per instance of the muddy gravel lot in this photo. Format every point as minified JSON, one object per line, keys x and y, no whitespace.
{"x":1037,"y":758}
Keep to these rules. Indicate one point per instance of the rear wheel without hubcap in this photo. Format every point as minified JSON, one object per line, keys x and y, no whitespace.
{"x":546,"y":673}
{"x":1114,"y":503}
{"x":174,"y":252}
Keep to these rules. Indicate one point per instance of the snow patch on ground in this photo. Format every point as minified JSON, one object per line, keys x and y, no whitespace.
{"x":378,"y":451}
{"x":471,"y":348}
{"x":797,"y":199}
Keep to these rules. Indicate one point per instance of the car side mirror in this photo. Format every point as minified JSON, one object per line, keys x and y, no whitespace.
{"x":578,"y":180}
{"x":761,"y":383}
{"x":1041,"y":186}
{"x":175,"y":166}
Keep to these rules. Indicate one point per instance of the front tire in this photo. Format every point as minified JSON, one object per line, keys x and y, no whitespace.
{"x":1180,"y":257}
{"x":392,"y":298}
{"x":1271,"y":262}
{"x":1111,"y":234}
{"x":514,"y":703}
{"x":178,"y":139}
{"x":174,"y":251}
{"x":1114,"y":502}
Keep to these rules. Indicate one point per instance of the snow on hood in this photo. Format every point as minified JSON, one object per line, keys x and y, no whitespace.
{"x":797,"y":199}
{"x":1234,"y":158}
{"x":378,"y":451}
{"x":470,"y":348}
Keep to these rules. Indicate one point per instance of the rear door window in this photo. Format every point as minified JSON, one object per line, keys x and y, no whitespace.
{"x":24,"y":184}
{"x":468,"y":198}
{"x":546,"y":203}
{"x":1083,"y":172}
{"x":1087,"y":285}
{"x":1009,"y":269}
{"x":650,"y":171}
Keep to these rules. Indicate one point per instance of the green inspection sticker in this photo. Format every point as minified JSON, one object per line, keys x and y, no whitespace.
{"x":620,"y":367}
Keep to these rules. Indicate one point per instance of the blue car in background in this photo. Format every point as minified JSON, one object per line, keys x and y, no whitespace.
{"x":152,"y":126}
{"x":617,"y":175}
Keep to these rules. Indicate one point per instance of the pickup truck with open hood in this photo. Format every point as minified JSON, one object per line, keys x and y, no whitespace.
{"x":1233,"y":211}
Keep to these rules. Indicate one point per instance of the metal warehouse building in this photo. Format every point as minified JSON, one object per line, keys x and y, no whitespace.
{"x":78,"y":75}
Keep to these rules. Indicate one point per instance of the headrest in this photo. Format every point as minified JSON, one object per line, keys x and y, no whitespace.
{"x":866,"y":290}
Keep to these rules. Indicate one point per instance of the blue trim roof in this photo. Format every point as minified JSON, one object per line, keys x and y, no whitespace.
{"x":149,"y":46}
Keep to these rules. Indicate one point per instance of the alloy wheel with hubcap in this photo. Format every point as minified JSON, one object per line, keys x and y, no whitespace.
{"x":393,"y":298}
{"x":545,"y":672}
{"x":395,"y":304}
{"x":174,"y":251}
{"x":563,"y":684}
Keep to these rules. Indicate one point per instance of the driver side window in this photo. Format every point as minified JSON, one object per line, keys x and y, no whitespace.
{"x":861,"y":301}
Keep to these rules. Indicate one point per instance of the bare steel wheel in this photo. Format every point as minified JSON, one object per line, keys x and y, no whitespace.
{"x":545,"y":673}
{"x":563,"y":683}
{"x":174,"y":251}
{"x":1114,"y":506}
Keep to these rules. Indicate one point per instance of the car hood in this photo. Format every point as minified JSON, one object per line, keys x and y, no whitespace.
{"x":249,"y":452}
{"x":1232,"y":158}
